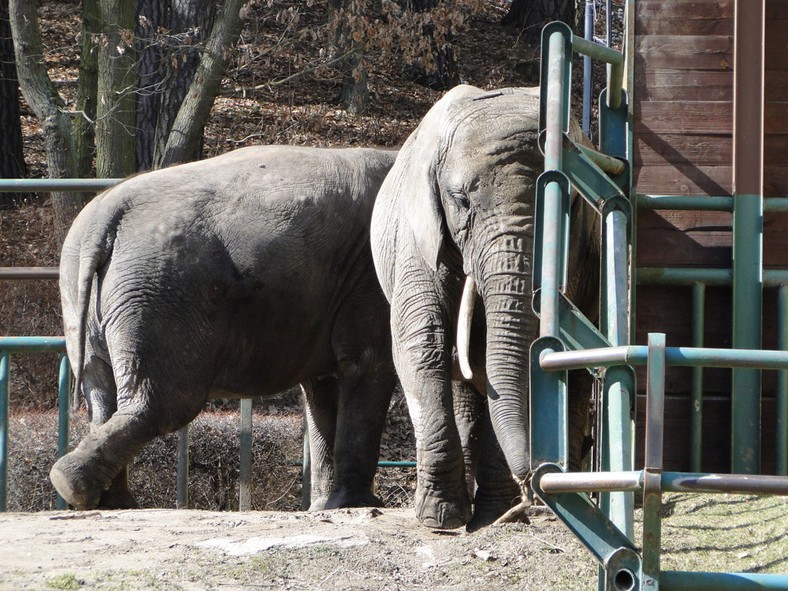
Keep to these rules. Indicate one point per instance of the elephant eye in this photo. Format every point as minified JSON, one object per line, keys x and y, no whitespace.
{"x":461,"y":200}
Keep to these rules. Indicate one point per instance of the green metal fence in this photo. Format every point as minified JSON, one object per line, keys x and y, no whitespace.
{"x":569,"y":341}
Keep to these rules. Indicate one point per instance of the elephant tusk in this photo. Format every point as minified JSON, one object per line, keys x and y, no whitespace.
{"x":464,"y":327}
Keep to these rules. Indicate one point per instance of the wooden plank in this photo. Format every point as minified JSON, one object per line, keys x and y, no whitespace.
{"x":775,"y":181}
{"x":775,"y":117}
{"x":683,"y":18}
{"x":683,"y":117}
{"x":776,"y":85}
{"x":687,"y":85}
{"x":685,"y":52}
{"x":673,"y":148}
{"x":683,"y":239}
{"x":715,"y":436}
{"x":775,"y":239}
{"x":681,"y":179}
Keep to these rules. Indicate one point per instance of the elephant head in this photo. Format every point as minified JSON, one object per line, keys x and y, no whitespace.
{"x":457,"y":209}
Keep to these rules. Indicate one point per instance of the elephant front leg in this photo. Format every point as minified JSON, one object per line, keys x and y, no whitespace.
{"x":423,"y":361}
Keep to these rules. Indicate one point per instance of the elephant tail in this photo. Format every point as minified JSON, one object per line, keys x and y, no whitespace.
{"x":87,"y":247}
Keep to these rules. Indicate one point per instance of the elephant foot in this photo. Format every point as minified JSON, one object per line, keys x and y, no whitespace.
{"x":117,"y":499}
{"x":79,"y":481}
{"x":441,"y":513}
{"x":342,"y":499}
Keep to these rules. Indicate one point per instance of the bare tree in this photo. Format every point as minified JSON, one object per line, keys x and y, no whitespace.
{"x":48,"y":106}
{"x":12,"y":162}
{"x":170,"y":39}
{"x":532,"y":15}
{"x":117,"y":78}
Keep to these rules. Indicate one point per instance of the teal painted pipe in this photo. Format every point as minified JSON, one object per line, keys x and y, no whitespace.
{"x":696,"y":402}
{"x":724,"y":483}
{"x":702,"y":581}
{"x":72,"y":185}
{"x":747,"y":318}
{"x":63,"y":416}
{"x":4,"y":403}
{"x":615,"y":69}
{"x":690,"y":275}
{"x":703,"y":202}
{"x":678,"y":356}
{"x":32,"y":344}
{"x":553,"y":154}
{"x":781,"y":402}
{"x":245,"y":459}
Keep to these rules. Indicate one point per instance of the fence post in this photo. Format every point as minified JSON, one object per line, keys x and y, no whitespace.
{"x":182,"y":494}
{"x":64,"y":416}
{"x":245,"y":470}
{"x":4,"y":369}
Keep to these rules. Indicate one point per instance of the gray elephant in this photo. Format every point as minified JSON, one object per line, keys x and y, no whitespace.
{"x":236,"y":276}
{"x":455,"y":215}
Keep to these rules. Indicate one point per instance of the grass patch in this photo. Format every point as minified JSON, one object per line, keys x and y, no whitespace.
{"x":65,"y":582}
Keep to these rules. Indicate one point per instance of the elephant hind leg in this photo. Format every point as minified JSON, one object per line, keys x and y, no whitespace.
{"x":366,"y":382}
{"x":97,"y":466}
{"x":320,"y":414}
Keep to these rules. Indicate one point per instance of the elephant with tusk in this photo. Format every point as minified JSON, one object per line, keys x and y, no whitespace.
{"x":236,"y":276}
{"x":453,"y":223}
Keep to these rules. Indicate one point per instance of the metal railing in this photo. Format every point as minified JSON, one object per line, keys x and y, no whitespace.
{"x":606,"y":528}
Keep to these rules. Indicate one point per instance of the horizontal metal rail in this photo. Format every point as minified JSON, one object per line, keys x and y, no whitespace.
{"x":690,"y":275}
{"x":29,"y":273}
{"x":703,"y":202}
{"x":70,"y":185}
{"x":553,"y":483}
{"x":678,"y":356}
{"x":615,"y":61}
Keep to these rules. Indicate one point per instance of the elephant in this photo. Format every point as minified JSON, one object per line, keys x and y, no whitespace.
{"x":236,"y":276}
{"x":454,"y":219}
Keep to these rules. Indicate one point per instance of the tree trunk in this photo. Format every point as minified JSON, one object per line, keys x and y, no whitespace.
{"x":355,"y":93}
{"x":116,"y":108}
{"x":152,"y":15}
{"x":167,"y":64}
{"x":48,"y":107}
{"x":12,"y":161}
{"x":185,"y":137}
{"x":442,"y":72}
{"x":533,"y":15}
{"x":87,"y":86}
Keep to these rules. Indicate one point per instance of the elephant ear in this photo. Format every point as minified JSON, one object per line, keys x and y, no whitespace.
{"x":415,"y":175}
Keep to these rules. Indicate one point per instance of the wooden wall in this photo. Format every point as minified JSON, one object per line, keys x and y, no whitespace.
{"x":683,"y":140}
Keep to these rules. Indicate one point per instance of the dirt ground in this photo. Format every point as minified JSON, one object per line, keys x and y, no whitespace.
{"x":363,"y":549}
{"x":332,"y":550}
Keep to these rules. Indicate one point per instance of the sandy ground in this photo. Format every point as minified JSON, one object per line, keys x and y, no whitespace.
{"x":332,"y":550}
{"x":356,"y":549}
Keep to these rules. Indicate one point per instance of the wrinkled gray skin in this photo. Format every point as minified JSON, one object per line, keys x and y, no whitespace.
{"x":237,"y":276}
{"x":459,"y":202}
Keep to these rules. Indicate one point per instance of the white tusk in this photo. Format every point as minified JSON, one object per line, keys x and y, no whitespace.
{"x":464,"y":327}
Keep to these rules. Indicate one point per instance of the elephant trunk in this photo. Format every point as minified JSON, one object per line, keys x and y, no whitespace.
{"x":505,"y":287}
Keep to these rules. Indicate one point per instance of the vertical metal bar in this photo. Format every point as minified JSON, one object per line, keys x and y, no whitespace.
{"x":617,"y":447}
{"x":551,"y":252}
{"x":4,"y":403}
{"x":588,"y":69}
{"x":652,"y":480}
{"x":781,"y":401}
{"x":245,"y":471}
{"x":616,"y":278}
{"x":64,"y":416}
{"x":747,"y":229}
{"x":696,"y":403}
{"x":182,"y":476}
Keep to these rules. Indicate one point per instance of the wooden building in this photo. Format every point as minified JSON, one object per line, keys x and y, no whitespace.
{"x":692,"y":68}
